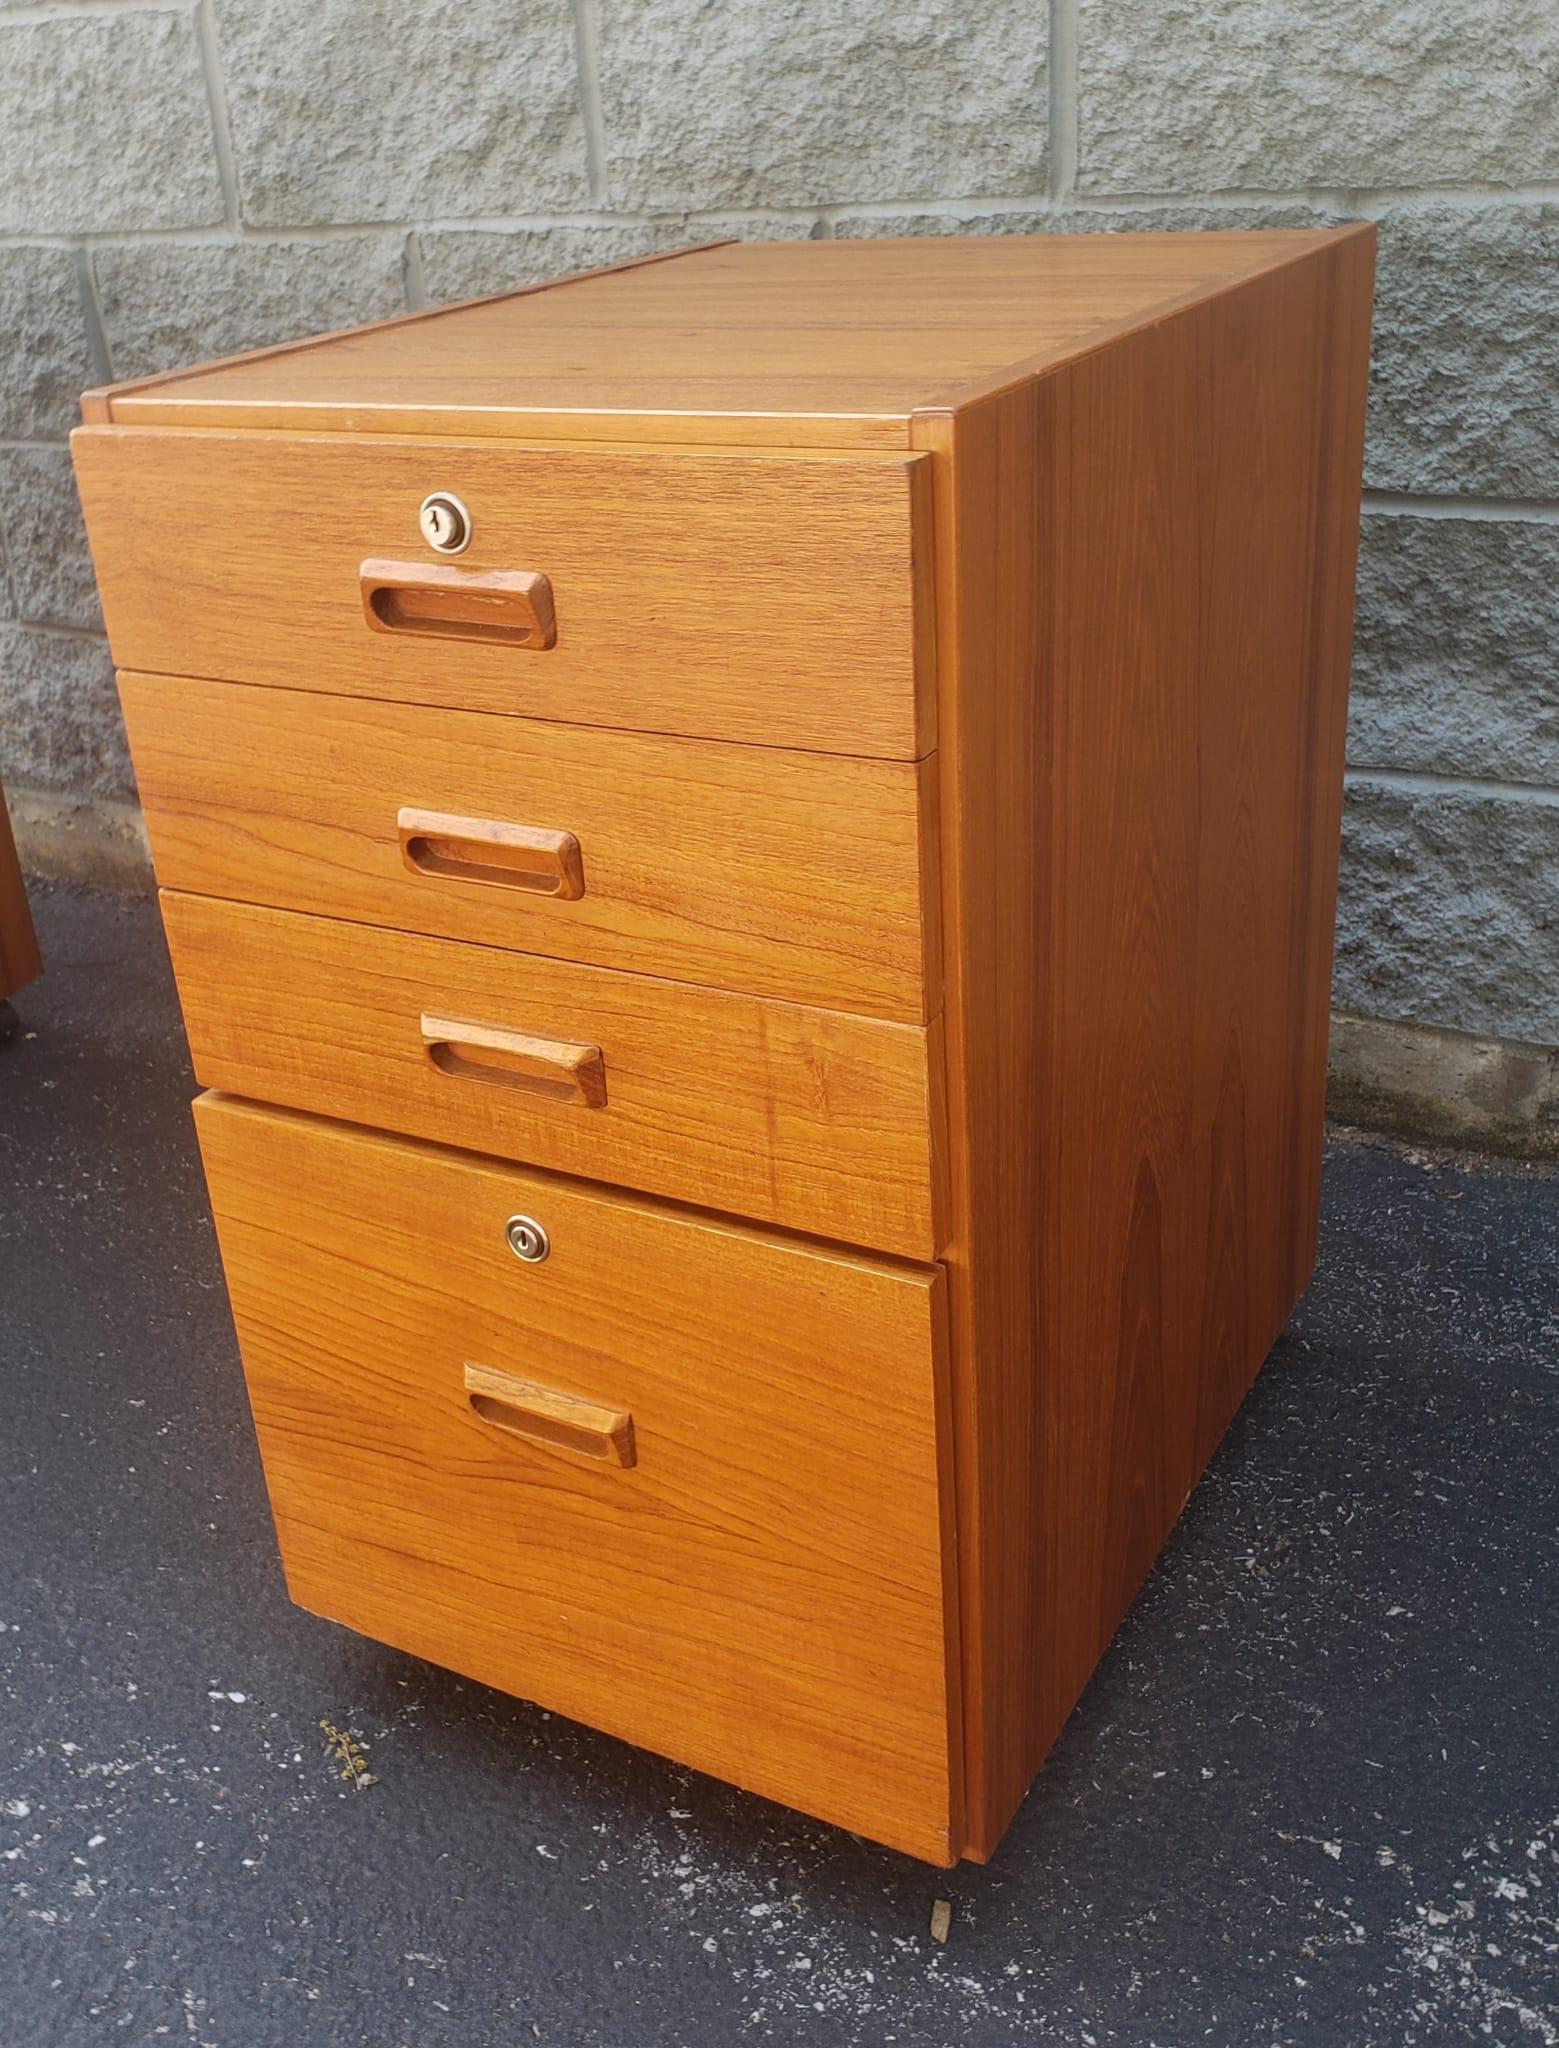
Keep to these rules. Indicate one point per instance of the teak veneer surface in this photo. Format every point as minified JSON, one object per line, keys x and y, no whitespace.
{"x":1037,"y":551}
{"x":795,"y":875}
{"x":1145,"y":597}
{"x":760,"y":1594}
{"x":822,"y":343}
{"x":813,"y":1119}
{"x":20,"y":960}
{"x":765,"y":598}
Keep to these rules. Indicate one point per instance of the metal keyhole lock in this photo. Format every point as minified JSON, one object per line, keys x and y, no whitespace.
{"x":526,"y":1239}
{"x":445,"y":522}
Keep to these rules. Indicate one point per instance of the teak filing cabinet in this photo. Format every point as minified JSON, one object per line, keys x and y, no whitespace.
{"x":749,"y":844}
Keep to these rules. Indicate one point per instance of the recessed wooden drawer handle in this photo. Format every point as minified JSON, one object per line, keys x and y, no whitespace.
{"x":483,"y":850}
{"x":513,"y":1059}
{"x":544,"y":1415}
{"x":510,"y":607}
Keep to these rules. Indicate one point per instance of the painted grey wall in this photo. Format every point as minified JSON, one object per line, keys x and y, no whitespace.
{"x":177,"y":181}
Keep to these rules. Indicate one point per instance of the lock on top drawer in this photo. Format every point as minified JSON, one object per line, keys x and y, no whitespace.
{"x":773,"y":598}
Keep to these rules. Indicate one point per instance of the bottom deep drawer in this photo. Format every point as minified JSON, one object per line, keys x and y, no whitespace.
{"x":677,"y":1478}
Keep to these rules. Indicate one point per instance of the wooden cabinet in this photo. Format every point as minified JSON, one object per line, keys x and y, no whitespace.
{"x":750,"y":847}
{"x":20,"y":961}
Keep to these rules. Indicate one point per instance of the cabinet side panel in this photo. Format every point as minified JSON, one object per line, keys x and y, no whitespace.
{"x":1146,"y":603}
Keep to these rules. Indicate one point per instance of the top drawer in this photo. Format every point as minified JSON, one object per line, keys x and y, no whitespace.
{"x":778,"y":599}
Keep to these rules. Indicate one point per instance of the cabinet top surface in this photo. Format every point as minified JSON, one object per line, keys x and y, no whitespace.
{"x":822,"y":343}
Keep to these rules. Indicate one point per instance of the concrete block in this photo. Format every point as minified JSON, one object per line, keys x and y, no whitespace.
{"x":467,"y":263}
{"x":751,"y":227}
{"x":1085,"y":220}
{"x":105,"y":124}
{"x":1270,"y":95}
{"x":46,"y":359}
{"x":46,"y":543}
{"x":1449,"y":913}
{"x":1455,"y":649}
{"x":166,"y":304}
{"x":460,"y":263}
{"x":1445,"y":1087}
{"x":775,"y":103}
{"x":99,"y":840}
{"x":345,"y":110}
{"x":59,"y":716}
{"x":1467,"y":350}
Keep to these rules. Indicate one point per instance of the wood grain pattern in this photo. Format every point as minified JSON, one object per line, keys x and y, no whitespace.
{"x":802,"y":876}
{"x":20,"y":960}
{"x":761,"y":1594}
{"x":824,"y":343}
{"x":764,"y":598}
{"x":808,"y":1118}
{"x":1145,"y":601}
{"x":97,"y":406}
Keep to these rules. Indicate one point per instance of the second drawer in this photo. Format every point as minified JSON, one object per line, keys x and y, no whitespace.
{"x":794,"y":875}
{"x":814,"y":1119}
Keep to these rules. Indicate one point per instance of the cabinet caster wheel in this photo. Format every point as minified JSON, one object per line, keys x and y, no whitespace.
{"x":10,"y":1023}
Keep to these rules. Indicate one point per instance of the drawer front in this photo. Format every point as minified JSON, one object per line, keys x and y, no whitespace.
{"x":809,"y":1118}
{"x":764,"y":598}
{"x":785,"y":874}
{"x":678,"y":1480}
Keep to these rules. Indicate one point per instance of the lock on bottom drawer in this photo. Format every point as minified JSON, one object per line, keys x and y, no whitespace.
{"x":678,"y":1478}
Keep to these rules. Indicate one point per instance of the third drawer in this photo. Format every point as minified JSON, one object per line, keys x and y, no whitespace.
{"x":810,"y":1118}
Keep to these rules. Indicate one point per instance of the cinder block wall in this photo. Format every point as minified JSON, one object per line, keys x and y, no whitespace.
{"x":178,"y":181}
